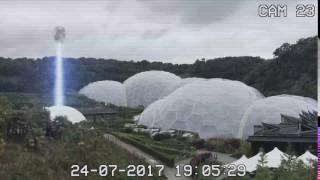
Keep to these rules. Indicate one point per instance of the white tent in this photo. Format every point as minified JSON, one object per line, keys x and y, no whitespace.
{"x":251,"y":163}
{"x":239,"y":161}
{"x":275,"y":157}
{"x":307,"y":158}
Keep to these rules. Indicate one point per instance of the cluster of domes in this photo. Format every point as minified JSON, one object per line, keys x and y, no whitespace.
{"x":210,"y":107}
{"x":140,"y":89}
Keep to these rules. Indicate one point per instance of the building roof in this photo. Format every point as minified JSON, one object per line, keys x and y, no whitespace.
{"x":307,"y":158}
{"x":305,"y":125}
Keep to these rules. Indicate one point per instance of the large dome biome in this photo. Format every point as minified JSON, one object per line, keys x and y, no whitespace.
{"x":109,"y":92}
{"x":70,"y":113}
{"x":269,"y":110}
{"x":146,"y":87}
{"x":212,"y":108}
{"x":186,"y":81}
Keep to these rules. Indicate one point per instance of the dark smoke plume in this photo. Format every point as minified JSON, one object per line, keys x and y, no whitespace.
{"x":59,"y":34}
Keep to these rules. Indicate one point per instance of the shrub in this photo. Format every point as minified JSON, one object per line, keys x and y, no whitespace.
{"x":127,"y":130}
{"x":169,"y":160}
{"x":171,"y":150}
{"x":162,"y":136}
{"x":198,"y":144}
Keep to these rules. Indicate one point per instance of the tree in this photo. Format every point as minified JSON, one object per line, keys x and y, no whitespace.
{"x":263,"y":172}
{"x":293,"y":169}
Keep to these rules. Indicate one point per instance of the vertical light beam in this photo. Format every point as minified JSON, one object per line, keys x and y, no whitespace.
{"x":59,"y":36}
{"x":59,"y":84}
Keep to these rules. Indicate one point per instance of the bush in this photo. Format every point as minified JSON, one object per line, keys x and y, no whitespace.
{"x":127,"y":130}
{"x":161,"y":156}
{"x":171,"y":150}
{"x":162,"y":136}
{"x":231,"y":146}
{"x":198,"y":144}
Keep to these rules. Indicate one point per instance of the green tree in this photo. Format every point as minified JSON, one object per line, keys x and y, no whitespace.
{"x":263,"y":172}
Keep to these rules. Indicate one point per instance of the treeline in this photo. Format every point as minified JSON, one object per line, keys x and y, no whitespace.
{"x":293,"y":70}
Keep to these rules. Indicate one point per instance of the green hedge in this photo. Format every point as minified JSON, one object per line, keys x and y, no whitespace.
{"x":171,"y":150}
{"x":174,"y":145}
{"x":167,"y":159}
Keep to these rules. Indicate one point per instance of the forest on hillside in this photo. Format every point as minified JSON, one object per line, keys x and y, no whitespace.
{"x":293,"y":70}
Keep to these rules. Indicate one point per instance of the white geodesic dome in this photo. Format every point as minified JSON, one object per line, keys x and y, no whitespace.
{"x":211,"y":108}
{"x":70,"y":113}
{"x":149,"y":116}
{"x":269,"y":110}
{"x":109,"y":92}
{"x":146,"y":87}
{"x":186,"y":81}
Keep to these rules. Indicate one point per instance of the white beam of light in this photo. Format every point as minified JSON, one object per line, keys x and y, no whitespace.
{"x":59,"y":86}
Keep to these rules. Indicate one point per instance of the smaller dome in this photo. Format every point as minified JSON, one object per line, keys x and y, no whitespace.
{"x":146,"y":87}
{"x":109,"y":92}
{"x":70,"y":113}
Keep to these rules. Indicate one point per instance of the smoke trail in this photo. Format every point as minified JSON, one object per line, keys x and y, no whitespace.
{"x":59,"y":37}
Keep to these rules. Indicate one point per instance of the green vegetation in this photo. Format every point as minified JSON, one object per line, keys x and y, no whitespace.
{"x":289,"y":169}
{"x":54,"y":159}
{"x":293,"y":65}
{"x":29,"y":152}
{"x":235,"y":147}
{"x":168,"y":151}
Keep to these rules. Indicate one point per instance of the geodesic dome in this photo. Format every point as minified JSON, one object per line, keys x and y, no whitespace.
{"x":269,"y":110}
{"x":212,"y":108}
{"x":109,"y":92}
{"x":70,"y":113}
{"x":146,"y":87}
{"x":186,"y":81}
{"x":149,"y":116}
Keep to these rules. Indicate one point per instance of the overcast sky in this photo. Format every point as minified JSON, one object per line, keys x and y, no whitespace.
{"x":177,"y":31}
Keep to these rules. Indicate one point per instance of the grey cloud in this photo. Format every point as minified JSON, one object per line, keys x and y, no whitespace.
{"x":195,"y":12}
{"x":154,"y":34}
{"x":148,"y":29}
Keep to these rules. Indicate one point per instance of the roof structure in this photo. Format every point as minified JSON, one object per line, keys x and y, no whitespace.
{"x":242,"y":160}
{"x":290,"y":129}
{"x":307,"y":158}
{"x":251,"y":163}
{"x":275,"y":157}
{"x":270,"y":110}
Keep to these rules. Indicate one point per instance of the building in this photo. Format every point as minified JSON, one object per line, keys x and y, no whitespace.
{"x":297,"y":134}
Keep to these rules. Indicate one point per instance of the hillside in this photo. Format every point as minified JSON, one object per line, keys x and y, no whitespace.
{"x":293,"y":70}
